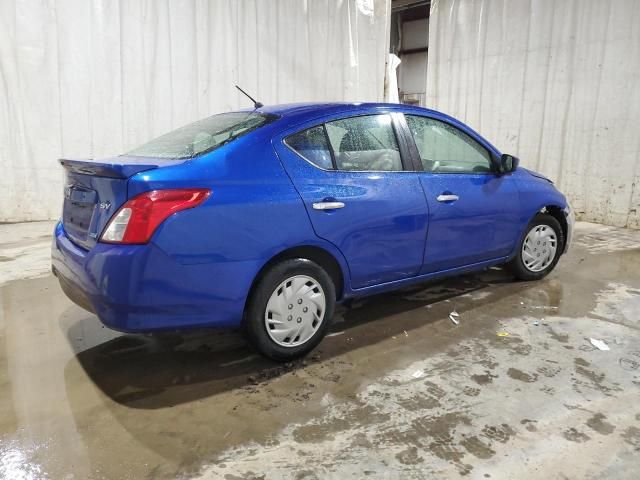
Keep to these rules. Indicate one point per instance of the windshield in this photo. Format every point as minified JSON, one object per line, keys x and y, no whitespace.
{"x":202,"y":136}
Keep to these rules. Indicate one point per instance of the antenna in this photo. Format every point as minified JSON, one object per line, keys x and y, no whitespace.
{"x":256,"y":104}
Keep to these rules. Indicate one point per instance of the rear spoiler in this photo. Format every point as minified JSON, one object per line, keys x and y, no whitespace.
{"x":116,"y":167}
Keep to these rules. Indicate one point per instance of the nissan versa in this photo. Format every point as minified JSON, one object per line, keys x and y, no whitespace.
{"x":265,"y":219}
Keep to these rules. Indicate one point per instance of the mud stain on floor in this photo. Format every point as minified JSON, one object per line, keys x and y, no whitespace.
{"x":522,"y":376}
{"x":500,"y":433}
{"x":581,"y":362}
{"x":574,"y":435}
{"x":409,"y":456}
{"x":530,"y":425}
{"x":596,"y":380}
{"x":558,"y":337}
{"x":484,"y":379}
{"x":599,"y":424}
{"x":401,"y":392}
{"x":477,"y":447}
{"x":631,"y":435}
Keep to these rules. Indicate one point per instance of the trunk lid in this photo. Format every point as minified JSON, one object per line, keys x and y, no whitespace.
{"x":94,"y":190}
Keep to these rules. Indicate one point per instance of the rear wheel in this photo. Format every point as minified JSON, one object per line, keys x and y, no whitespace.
{"x":290,"y":309}
{"x":539,"y":250}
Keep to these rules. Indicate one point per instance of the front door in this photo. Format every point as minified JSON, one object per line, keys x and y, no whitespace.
{"x":473,"y":212}
{"x":349,"y":173}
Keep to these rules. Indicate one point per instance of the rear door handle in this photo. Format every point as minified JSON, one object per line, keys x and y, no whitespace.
{"x":447,"y":198}
{"x":327,"y":205}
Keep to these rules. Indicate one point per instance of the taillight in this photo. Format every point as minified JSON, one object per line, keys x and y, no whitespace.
{"x":137,"y":219}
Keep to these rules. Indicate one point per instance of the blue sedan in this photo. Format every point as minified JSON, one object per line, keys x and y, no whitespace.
{"x":264,"y":219}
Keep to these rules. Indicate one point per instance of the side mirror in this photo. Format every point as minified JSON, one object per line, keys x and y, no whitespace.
{"x":507,"y":164}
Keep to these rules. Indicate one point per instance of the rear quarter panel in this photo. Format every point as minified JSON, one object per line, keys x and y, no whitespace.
{"x":252,"y":214}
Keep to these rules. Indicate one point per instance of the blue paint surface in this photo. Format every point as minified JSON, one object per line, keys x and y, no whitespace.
{"x":200,"y":264}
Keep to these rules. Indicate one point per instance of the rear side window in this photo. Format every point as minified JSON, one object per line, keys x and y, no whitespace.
{"x":444,"y":148}
{"x":202,"y":136}
{"x":312,"y":145}
{"x":365,"y":143}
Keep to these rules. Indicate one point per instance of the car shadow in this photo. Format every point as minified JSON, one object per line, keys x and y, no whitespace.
{"x":160,"y":370}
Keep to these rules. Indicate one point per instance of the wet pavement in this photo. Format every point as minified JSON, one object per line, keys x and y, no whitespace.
{"x":397,"y":390}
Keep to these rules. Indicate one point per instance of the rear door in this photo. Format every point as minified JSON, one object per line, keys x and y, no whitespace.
{"x":350,"y":175}
{"x":473,"y":212}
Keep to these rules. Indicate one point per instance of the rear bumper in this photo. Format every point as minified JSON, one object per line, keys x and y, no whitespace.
{"x":139,"y":288}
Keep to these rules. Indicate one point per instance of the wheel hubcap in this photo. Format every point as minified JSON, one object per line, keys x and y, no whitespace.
{"x":295,"y":311}
{"x":539,"y":248}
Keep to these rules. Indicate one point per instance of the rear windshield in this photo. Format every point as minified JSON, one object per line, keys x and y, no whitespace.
{"x":202,"y":136}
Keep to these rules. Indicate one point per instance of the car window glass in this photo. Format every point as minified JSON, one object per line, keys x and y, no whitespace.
{"x":365,"y":143}
{"x":312,"y":145}
{"x":444,"y":148}
{"x":202,"y":136}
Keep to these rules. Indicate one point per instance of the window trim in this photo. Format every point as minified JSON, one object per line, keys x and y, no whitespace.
{"x":333,"y":161}
{"x":416,"y":153}
{"x":331,"y":152}
{"x":412,"y":162}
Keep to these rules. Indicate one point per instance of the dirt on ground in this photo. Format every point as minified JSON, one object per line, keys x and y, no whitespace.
{"x":397,"y":390}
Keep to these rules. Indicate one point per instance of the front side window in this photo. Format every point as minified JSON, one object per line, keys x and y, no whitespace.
{"x":365,"y":143}
{"x":444,"y":148}
{"x":202,"y":136}
{"x":312,"y":145}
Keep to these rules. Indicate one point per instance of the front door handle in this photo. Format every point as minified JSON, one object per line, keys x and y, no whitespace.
{"x":447,"y":198}
{"x":327,"y":205}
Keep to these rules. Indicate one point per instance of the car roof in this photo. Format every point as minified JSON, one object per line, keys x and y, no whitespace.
{"x":295,"y":113}
{"x":302,"y":111}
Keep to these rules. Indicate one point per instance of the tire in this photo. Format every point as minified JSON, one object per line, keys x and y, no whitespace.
{"x":287,"y":328}
{"x":535,"y":261}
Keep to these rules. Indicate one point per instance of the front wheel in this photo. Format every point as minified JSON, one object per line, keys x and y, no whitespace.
{"x":539,"y":250}
{"x":289,"y":311}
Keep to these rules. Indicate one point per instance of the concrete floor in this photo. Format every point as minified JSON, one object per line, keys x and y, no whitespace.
{"x":396,"y":391}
